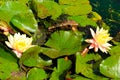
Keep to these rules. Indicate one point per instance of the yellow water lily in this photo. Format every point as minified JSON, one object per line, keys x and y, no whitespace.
{"x":19,"y":43}
{"x":100,"y":40}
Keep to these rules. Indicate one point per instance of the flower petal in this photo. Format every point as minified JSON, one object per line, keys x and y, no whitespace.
{"x":96,"y":49}
{"x":11,"y":39}
{"x":103,"y":49}
{"x":92,"y":32}
{"x":91,"y":46}
{"x":8,"y":44}
{"x":18,"y":54}
{"x":89,"y":40}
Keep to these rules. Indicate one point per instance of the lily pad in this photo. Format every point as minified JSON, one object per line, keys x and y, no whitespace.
{"x":110,"y":67}
{"x":115,"y":50}
{"x":73,"y":2}
{"x":83,"y":20}
{"x":36,"y":74}
{"x":47,"y":8}
{"x":9,"y":9}
{"x":25,"y":22}
{"x":76,"y":10}
{"x":84,"y":68}
{"x":62,"y":43}
{"x":8,"y":64}
{"x":31,"y":58}
{"x":75,"y":7}
{"x":62,"y":67}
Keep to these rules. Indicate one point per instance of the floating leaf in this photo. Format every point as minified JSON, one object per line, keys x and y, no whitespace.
{"x":47,"y":8}
{"x":73,"y":2}
{"x":12,"y":8}
{"x":36,"y":74}
{"x":115,"y":50}
{"x":84,"y":68}
{"x":25,"y":22}
{"x":31,"y":58}
{"x":110,"y":67}
{"x":81,"y":78}
{"x":9,"y":9}
{"x":62,"y":43}
{"x":6,"y":68}
{"x":75,"y":7}
{"x":76,"y":10}
{"x":18,"y":75}
{"x":8,"y":64}
{"x":62,"y":66}
{"x":54,"y":75}
{"x":7,"y":55}
{"x":83,"y":20}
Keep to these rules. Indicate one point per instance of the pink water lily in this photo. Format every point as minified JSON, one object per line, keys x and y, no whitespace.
{"x":19,"y":43}
{"x":99,"y":40}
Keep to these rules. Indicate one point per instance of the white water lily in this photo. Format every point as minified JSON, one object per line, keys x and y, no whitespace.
{"x":19,"y":43}
{"x":100,"y":40}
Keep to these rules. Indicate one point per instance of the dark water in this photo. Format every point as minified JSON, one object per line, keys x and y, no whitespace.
{"x":110,"y":12}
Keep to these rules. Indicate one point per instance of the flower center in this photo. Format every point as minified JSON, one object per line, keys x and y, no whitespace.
{"x":20,"y":46}
{"x":102,"y":38}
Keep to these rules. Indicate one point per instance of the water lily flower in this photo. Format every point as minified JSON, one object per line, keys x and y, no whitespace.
{"x":100,"y":40}
{"x":19,"y":43}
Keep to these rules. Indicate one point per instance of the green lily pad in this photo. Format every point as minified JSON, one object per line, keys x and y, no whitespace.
{"x":7,"y":55}
{"x":62,"y":43}
{"x":110,"y":67}
{"x":31,"y":58}
{"x":36,"y":74}
{"x":9,"y":9}
{"x":6,"y":68}
{"x":83,"y":20}
{"x":84,"y":68}
{"x":47,"y":8}
{"x":73,"y":2}
{"x":75,"y":7}
{"x":76,"y":10}
{"x":62,"y":67}
{"x":8,"y":64}
{"x":18,"y":75}
{"x":81,"y":78}
{"x":115,"y":50}
{"x":25,"y":22}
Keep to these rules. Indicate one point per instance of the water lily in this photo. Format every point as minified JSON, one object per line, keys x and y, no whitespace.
{"x":100,"y":40}
{"x":19,"y":43}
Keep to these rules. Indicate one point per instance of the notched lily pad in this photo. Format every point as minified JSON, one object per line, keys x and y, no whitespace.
{"x":62,"y":43}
